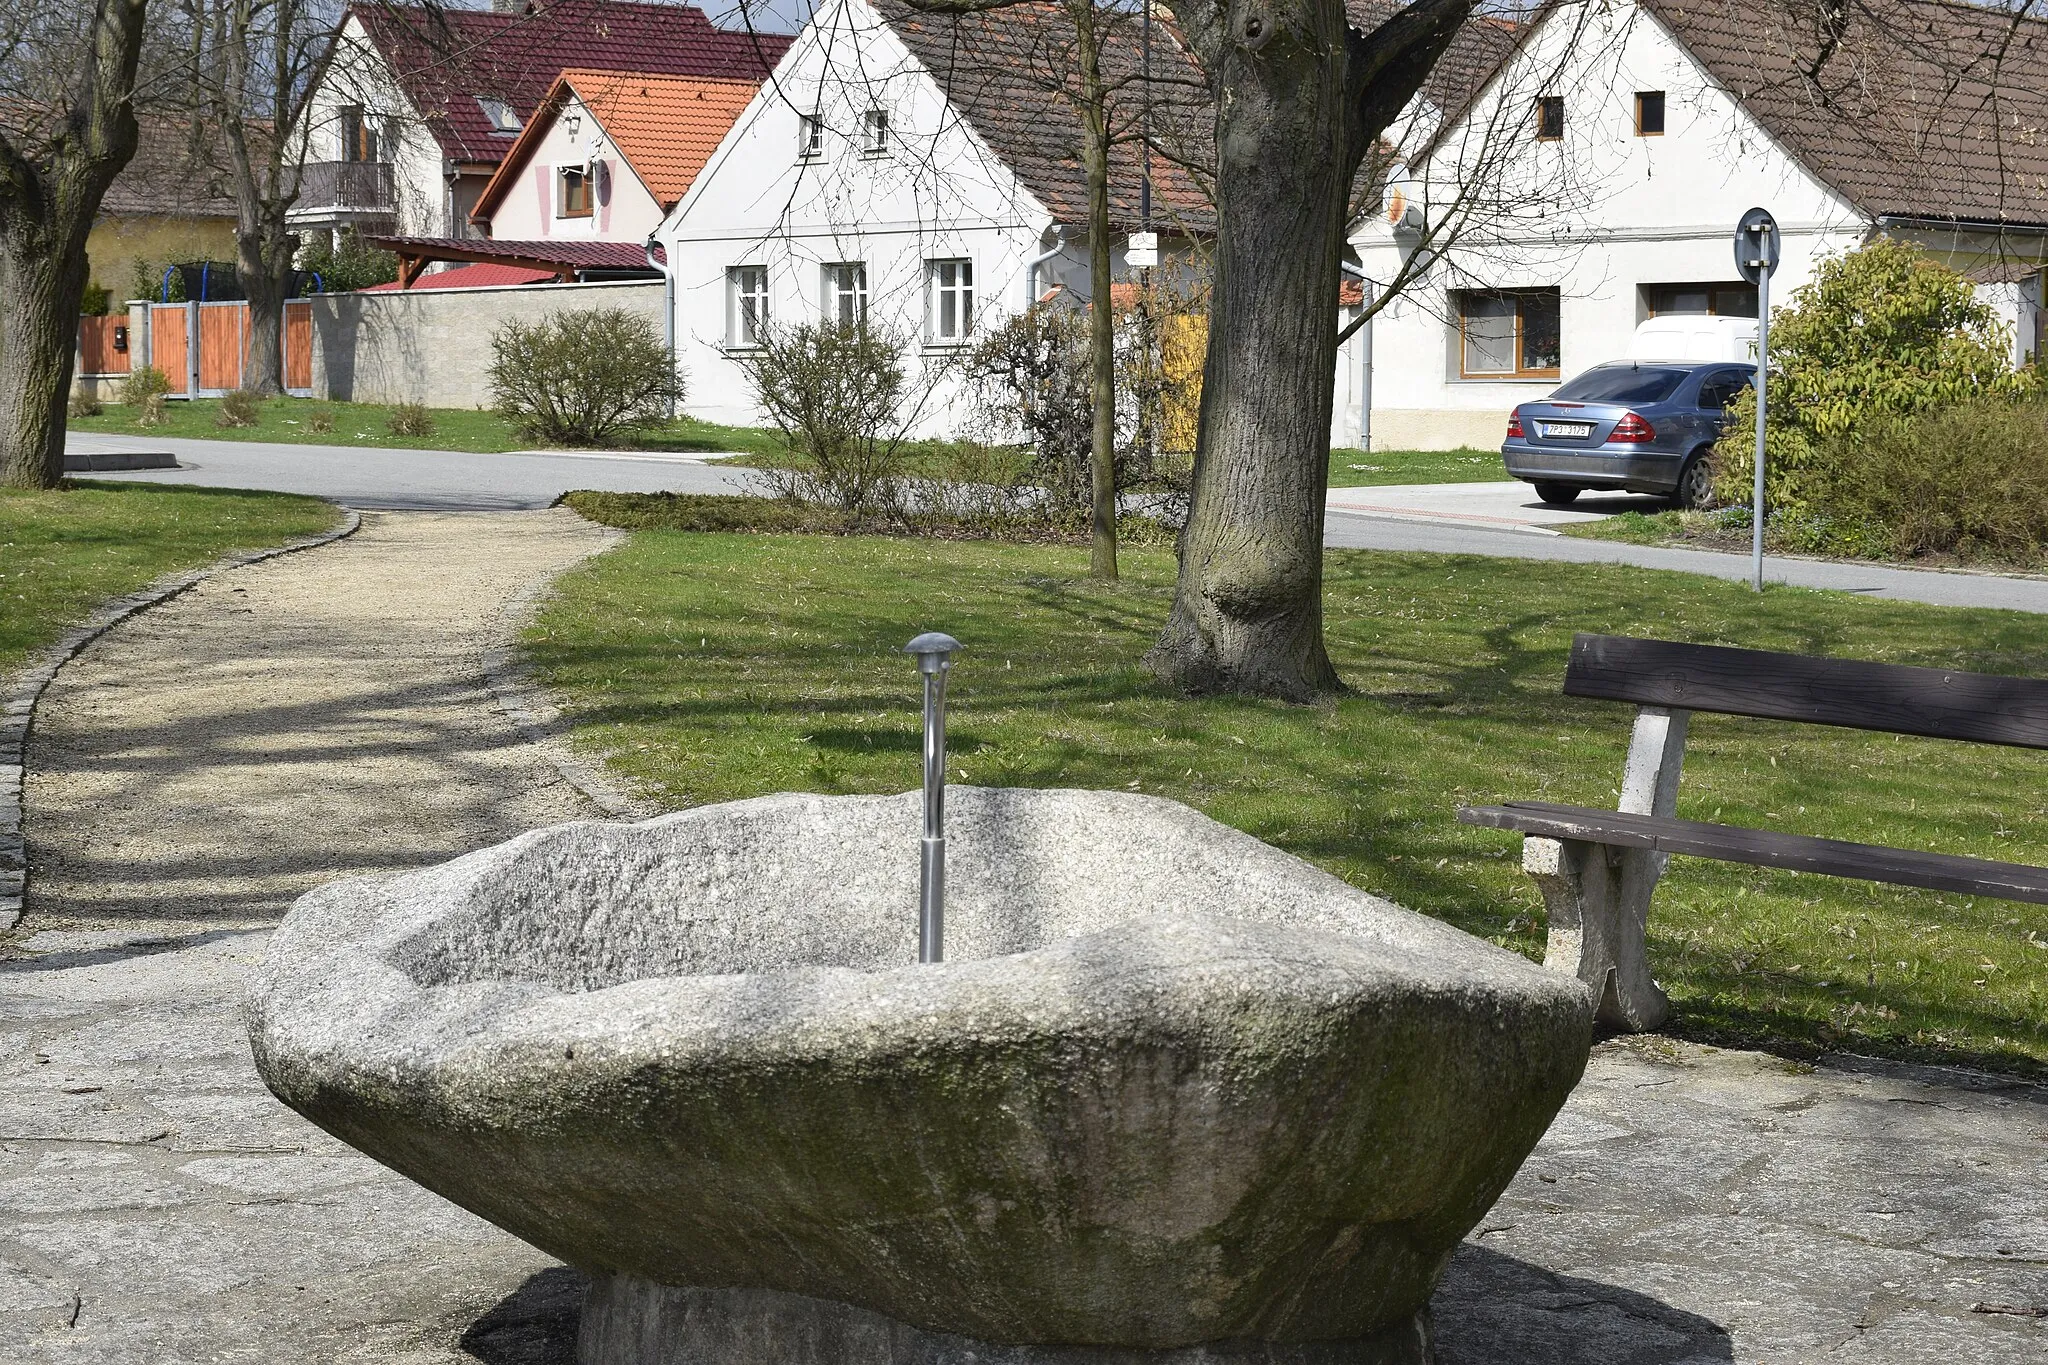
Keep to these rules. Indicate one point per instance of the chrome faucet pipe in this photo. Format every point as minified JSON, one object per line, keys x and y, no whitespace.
{"x":934,"y":652}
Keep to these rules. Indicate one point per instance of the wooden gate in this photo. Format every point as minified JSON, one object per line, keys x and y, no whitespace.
{"x":170,"y":348}
{"x":223,"y":343}
{"x":215,"y":365}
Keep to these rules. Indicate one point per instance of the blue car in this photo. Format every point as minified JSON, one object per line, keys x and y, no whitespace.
{"x":1641,"y":426}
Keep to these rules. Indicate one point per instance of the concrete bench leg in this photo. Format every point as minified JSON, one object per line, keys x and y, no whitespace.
{"x":1599,"y":902}
{"x":1599,"y":897}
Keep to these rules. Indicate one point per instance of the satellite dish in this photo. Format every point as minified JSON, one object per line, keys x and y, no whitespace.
{"x":1402,"y":212}
{"x":601,"y":173}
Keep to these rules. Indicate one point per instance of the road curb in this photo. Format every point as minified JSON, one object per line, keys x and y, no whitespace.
{"x":17,"y":712}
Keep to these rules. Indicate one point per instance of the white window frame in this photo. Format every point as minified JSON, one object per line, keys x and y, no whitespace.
{"x":835,"y":277}
{"x":949,"y":279}
{"x":744,"y":285}
{"x":874,"y":131}
{"x":810,"y":137}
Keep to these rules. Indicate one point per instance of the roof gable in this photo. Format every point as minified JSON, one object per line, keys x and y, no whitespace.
{"x":665,"y":127}
{"x":1903,"y":107}
{"x":444,"y":60}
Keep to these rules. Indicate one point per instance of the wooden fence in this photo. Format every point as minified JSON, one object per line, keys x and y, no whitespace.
{"x":201,"y":347}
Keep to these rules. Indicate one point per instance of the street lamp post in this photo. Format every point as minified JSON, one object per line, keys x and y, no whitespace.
{"x":934,"y":652}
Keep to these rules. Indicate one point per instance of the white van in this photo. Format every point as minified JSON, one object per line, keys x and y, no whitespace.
{"x":1695,"y":337}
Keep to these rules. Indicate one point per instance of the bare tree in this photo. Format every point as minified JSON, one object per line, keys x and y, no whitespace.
{"x":251,"y":67}
{"x":67,"y":129}
{"x":1301,"y":97}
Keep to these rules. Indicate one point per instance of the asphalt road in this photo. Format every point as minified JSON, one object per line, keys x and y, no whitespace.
{"x":1449,"y":519}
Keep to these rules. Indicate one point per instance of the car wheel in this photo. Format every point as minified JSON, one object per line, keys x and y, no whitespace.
{"x":1557,"y":494}
{"x":1695,"y":491}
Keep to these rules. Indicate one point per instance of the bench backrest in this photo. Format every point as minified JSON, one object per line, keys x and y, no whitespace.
{"x":1935,"y":702}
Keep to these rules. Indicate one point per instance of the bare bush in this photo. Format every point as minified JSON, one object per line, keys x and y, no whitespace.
{"x":836,"y":394}
{"x":583,"y":378}
{"x":241,"y":408}
{"x":410,"y":420}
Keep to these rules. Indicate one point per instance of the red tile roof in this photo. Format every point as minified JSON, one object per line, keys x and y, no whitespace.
{"x":666,"y":127}
{"x":480,"y":276}
{"x":559,"y":258}
{"x":445,"y":59}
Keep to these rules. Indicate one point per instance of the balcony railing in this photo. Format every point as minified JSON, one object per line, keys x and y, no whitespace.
{"x":355,"y":186}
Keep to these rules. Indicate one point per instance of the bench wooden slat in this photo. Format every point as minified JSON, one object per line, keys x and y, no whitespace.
{"x":1937,"y":703}
{"x":1768,"y":848}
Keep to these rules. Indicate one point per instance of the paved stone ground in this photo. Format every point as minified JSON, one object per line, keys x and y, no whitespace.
{"x":323,"y":714}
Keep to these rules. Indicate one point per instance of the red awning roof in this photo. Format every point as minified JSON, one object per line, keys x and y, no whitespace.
{"x":479,"y":276}
{"x":564,"y":260}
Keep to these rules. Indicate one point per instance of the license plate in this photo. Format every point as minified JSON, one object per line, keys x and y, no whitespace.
{"x":1556,"y":429}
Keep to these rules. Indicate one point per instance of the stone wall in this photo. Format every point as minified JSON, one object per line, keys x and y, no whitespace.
{"x":433,"y":346}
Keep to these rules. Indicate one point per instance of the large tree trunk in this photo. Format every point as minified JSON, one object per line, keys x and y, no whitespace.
{"x":265,"y":266}
{"x":42,"y":277}
{"x":49,"y":195}
{"x":1300,"y":96}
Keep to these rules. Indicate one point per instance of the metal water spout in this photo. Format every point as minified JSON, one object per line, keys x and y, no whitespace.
{"x":934,"y":653}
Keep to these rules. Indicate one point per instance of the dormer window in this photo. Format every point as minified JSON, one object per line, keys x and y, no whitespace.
{"x":504,"y":123}
{"x":810,"y":136}
{"x":875,"y":133}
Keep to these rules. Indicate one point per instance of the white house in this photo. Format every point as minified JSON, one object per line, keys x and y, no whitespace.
{"x":1596,"y":179}
{"x":922,"y":171}
{"x":420,"y":105}
{"x":910,"y":169}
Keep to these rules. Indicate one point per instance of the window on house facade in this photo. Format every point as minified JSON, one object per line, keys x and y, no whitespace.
{"x":875,"y":133}
{"x":1649,"y":113}
{"x":846,"y":293}
{"x":746,"y":300}
{"x":1508,"y":334}
{"x":1713,"y":300}
{"x":810,"y":135}
{"x":358,"y":135}
{"x":1549,"y":117}
{"x":572,"y":192}
{"x":951,"y":286}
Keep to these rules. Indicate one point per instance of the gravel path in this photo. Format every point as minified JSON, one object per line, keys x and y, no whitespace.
{"x":204,"y":763}
{"x":191,"y":774}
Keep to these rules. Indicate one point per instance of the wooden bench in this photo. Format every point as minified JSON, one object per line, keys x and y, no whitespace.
{"x":1598,"y":868}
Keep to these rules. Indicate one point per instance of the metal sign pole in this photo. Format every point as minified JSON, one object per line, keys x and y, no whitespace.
{"x":1763,"y":372}
{"x":1756,"y":257}
{"x":934,"y":653}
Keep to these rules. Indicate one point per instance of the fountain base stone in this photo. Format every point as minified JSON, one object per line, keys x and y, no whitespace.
{"x":631,"y":1321}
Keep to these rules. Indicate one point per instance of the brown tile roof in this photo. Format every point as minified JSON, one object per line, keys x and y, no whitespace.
{"x":1004,"y":69}
{"x":1917,"y":107}
{"x":1482,"y":43}
{"x":445,"y":58}
{"x":666,"y":127}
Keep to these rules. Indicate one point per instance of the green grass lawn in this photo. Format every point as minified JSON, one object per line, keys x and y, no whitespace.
{"x":711,"y":667}
{"x":64,"y":552}
{"x":366,"y":424}
{"x":1360,"y":469}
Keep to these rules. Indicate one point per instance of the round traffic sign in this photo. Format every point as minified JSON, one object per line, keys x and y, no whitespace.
{"x":1756,"y":245}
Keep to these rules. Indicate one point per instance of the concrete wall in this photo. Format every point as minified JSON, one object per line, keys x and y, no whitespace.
{"x":433,"y":346}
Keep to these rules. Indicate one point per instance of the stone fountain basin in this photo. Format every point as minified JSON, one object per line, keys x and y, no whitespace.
{"x":1171,"y":1086}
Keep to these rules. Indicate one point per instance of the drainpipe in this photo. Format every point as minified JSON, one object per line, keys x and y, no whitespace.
{"x":668,"y":311}
{"x":1059,"y":244}
{"x":1364,"y":356}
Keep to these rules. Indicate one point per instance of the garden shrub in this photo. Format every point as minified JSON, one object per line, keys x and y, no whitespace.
{"x":322,"y":421}
{"x":84,"y":403}
{"x":836,"y":393}
{"x":583,"y":378}
{"x":1969,"y":480}
{"x":240,"y":408}
{"x":1883,"y":331}
{"x":144,"y":382}
{"x":409,"y":419}
{"x":353,"y":264}
{"x":96,"y":301}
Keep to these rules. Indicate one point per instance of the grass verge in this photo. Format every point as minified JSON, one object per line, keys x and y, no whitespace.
{"x":64,"y":552}
{"x":299,"y":420}
{"x":712,"y":667}
{"x":1727,"y":530}
{"x":1362,"y":469}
